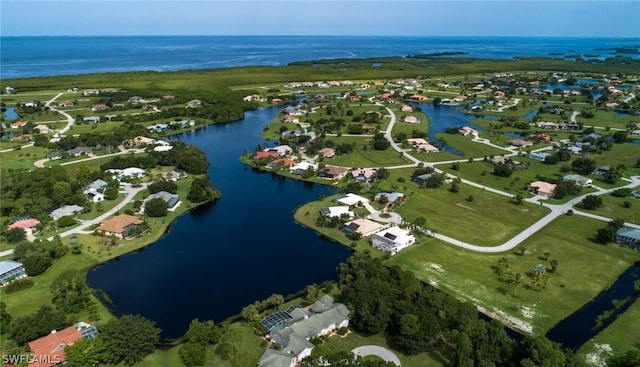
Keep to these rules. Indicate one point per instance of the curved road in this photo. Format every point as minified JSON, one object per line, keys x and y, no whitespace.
{"x":374,"y":350}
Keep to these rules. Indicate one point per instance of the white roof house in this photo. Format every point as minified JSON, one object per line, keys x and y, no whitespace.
{"x":393,"y":240}
{"x":351,"y":199}
{"x":10,"y":270}
{"x":303,"y":166}
{"x":132,"y":172}
{"x":336,"y":211}
{"x":280,"y":149}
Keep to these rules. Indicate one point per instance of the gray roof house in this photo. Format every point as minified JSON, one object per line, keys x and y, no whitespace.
{"x":276,"y":358}
{"x":78,"y":151}
{"x":65,"y":210}
{"x":580,"y":180}
{"x":392,"y":197}
{"x":172,"y":200}
{"x":629,"y":237}
{"x":55,"y":155}
{"x":11,"y":270}
{"x":294,"y":336}
{"x":422,"y":178}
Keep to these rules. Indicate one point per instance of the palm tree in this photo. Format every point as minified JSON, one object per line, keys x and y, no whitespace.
{"x":554,"y":265}
{"x":516,"y":281}
{"x":275,"y":300}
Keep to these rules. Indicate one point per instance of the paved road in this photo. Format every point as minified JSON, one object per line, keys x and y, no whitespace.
{"x":131,"y":193}
{"x":6,"y":253}
{"x":374,"y":350}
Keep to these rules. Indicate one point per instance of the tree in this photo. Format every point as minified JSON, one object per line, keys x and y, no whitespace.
{"x":193,"y":354}
{"x":36,"y":264}
{"x":516,"y":281}
{"x":129,"y":339}
{"x":86,"y":352}
{"x":230,"y":344}
{"x":70,"y":292}
{"x":605,"y":235}
{"x":382,"y":173}
{"x":155,"y":208}
{"x":546,"y":255}
{"x":5,"y":318}
{"x":250,"y":313}
{"x":40,"y":323}
{"x":163,"y":185}
{"x":464,"y":351}
{"x":311,"y":293}
{"x":554,"y":265}
{"x":205,"y":332}
{"x":275,"y":300}
{"x":591,"y":202}
{"x":15,"y":235}
{"x":502,"y":170}
{"x":584,"y":166}
{"x":629,"y":358}
{"x":202,"y":190}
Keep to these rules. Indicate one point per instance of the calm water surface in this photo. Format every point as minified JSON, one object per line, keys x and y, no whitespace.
{"x":218,"y":259}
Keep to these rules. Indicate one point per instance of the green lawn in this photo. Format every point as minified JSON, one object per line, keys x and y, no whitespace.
{"x":494,"y":218}
{"x":364,"y":155}
{"x":612,"y":208}
{"x":585,"y":268}
{"x":22,"y":158}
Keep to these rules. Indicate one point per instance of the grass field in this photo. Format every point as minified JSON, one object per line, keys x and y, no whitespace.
{"x":584,"y":269}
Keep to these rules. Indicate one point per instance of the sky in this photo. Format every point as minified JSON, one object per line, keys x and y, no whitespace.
{"x":539,"y":18}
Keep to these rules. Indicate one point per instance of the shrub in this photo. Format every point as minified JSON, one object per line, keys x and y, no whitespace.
{"x":18,"y":285}
{"x":621,"y":193}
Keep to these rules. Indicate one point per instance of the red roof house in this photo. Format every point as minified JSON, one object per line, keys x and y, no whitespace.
{"x":269,"y":154}
{"x":25,"y":223}
{"x":50,"y":349}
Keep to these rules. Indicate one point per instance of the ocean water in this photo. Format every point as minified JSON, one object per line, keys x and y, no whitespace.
{"x":46,"y":56}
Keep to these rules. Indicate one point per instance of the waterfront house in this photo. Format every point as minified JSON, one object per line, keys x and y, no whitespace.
{"x":281,"y":163}
{"x":265,"y":155}
{"x":629,"y":237}
{"x":363,"y":226}
{"x":158,"y":128}
{"x":172,"y":200}
{"x":351,"y":199}
{"x":11,"y":270}
{"x":302,"y":167}
{"x":332,"y":172}
{"x":466,"y":131}
{"x":174,"y":175}
{"x":336,"y":211}
{"x":120,"y":226}
{"x":18,"y":124}
{"x":411,"y":120}
{"x":580,"y":180}
{"x":280,"y":149}
{"x":50,"y":349}
{"x":542,"y":188}
{"x":406,"y":108}
{"x":392,"y":240}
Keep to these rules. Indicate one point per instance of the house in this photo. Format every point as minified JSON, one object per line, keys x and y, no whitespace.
{"x":392,"y":197}
{"x":65,"y":104}
{"x":251,"y":98}
{"x":405,"y":107}
{"x":18,"y":124}
{"x":172,"y":200}
{"x":574,"y":149}
{"x":50,"y":349}
{"x":603,"y":170}
{"x":628,"y":237}
{"x":280,"y":149}
{"x":302,"y":167}
{"x":9,"y":90}
{"x":538,"y":156}
{"x":42,"y":129}
{"x":542,"y":188}
{"x":540,"y":137}
{"x":547,"y":125}
{"x":174,"y":175}
{"x":351,"y":199}
{"x":281,"y":163}
{"x":135,"y":99}
{"x":158,"y":128}
{"x":520,"y":143}
{"x":91,"y":119}
{"x":323,"y":317}
{"x":418,"y":97}
{"x":466,"y":131}
{"x":336,"y":211}
{"x":411,"y":120}
{"x":95,"y":186}
{"x":363,"y":174}
{"x":22,"y":138}
{"x":99,"y":107}
{"x":332,"y":172}
{"x":194,"y":103}
{"x":55,"y":155}
{"x":11,"y":270}
{"x":580,"y":180}
{"x":120,"y":226}
{"x":327,"y":152}
{"x":65,"y":210}
{"x":265,"y":154}
{"x":129,"y":173}
{"x":290,"y":119}
{"x":28,"y":224}
{"x":422,"y":178}
{"x":78,"y":151}
{"x":363,"y":226}
{"x":91,"y":92}
{"x":392,"y":240}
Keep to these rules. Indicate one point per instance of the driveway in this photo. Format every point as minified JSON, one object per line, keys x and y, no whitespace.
{"x":374,"y":350}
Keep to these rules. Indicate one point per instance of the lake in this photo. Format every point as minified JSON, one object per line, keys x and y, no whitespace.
{"x":222,"y":257}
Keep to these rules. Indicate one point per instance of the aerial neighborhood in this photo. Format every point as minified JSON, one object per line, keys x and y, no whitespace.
{"x":499,"y":188}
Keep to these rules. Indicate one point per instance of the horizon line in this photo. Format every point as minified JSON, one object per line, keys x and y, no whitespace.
{"x":307,"y":35}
